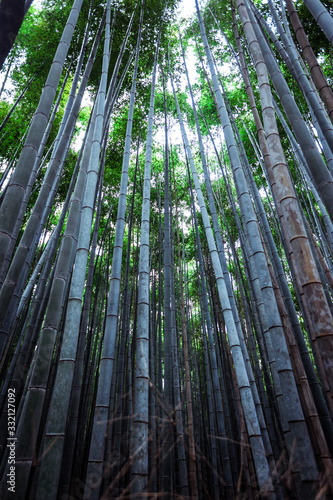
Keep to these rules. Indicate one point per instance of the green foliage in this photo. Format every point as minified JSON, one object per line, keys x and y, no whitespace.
{"x":219,"y":12}
{"x":12,"y":132}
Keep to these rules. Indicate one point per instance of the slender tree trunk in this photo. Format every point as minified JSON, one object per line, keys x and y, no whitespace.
{"x":58,"y":411}
{"x":322,"y":17}
{"x":290,"y":216}
{"x":319,"y":79}
{"x":262,"y":469}
{"x":100,"y":411}
{"x":190,"y":422}
{"x":167,"y":429}
{"x":15,"y":192}
{"x":44,"y":202}
{"x":141,"y":383}
{"x":275,"y":337}
{"x":321,"y":176}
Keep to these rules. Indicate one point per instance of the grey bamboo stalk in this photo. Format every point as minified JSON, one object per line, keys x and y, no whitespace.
{"x":321,"y":176}
{"x":97,"y":440}
{"x":319,"y":117}
{"x":35,"y":170}
{"x":292,"y":317}
{"x":212,"y":430}
{"x":46,"y":193}
{"x":322,"y":17}
{"x":74,"y":406}
{"x":261,"y":464}
{"x":118,"y":452}
{"x":181,"y":457}
{"x":289,"y":212}
{"x":291,"y":57}
{"x":307,"y":172}
{"x":17,"y":186}
{"x":139,"y":469}
{"x":264,"y":431}
{"x":276,"y":260}
{"x":297,"y":331}
{"x":319,"y":79}
{"x":275,"y":333}
{"x":57,"y":415}
{"x":249,"y":253}
{"x":33,"y":248}
{"x":153,"y":396}
{"x":220,"y":248}
{"x":71,"y":96}
{"x":113,"y":89}
{"x":167,"y":430}
{"x":50,"y":249}
{"x":159,"y":320}
{"x":212,"y":367}
{"x":283,"y":284}
{"x":28,"y":428}
{"x":47,"y":256}
{"x":192,"y":459}
{"x":17,"y":372}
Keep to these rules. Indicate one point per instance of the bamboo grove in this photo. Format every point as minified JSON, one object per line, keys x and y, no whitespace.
{"x":166,"y":245}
